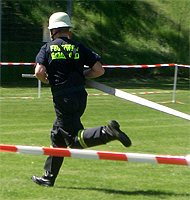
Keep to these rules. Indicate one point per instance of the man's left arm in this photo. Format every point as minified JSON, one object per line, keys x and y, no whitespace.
{"x":96,"y":71}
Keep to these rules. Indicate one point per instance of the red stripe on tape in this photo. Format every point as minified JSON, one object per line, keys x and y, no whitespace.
{"x":172,"y":160}
{"x":8,"y":148}
{"x":171,"y":64}
{"x":112,"y":156}
{"x":58,"y":152}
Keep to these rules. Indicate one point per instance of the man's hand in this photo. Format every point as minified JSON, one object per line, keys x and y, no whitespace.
{"x":40,"y":73}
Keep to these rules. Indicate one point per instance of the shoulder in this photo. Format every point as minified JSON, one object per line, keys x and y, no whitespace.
{"x":44,"y":47}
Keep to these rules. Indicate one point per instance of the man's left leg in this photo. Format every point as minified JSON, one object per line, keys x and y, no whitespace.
{"x":100,"y":135}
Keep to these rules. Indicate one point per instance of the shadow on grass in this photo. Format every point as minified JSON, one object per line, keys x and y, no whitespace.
{"x":137,"y":192}
{"x":140,"y":82}
{"x":133,"y":82}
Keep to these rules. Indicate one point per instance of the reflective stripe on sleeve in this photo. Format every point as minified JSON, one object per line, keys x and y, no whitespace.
{"x":81,"y":139}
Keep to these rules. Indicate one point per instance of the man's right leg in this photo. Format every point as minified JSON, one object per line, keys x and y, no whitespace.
{"x":52,"y":167}
{"x":52,"y":164}
{"x":69,"y":108}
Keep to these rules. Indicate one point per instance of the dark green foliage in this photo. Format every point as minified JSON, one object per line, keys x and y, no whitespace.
{"x":122,"y":32}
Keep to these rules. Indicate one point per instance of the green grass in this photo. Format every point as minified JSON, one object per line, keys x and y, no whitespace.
{"x":28,"y":122}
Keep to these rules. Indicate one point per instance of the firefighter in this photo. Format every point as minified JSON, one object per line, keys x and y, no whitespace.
{"x":60,"y":63}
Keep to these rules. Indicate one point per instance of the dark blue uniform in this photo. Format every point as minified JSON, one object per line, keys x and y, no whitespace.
{"x":64,"y":60}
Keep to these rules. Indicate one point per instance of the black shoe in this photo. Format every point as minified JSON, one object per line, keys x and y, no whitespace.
{"x":46,"y":180}
{"x":113,"y":129}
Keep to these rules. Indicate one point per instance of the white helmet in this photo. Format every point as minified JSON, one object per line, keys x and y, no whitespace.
{"x":59,"y":20}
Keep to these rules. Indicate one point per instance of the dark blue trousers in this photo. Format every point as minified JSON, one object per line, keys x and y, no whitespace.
{"x":68,"y":130}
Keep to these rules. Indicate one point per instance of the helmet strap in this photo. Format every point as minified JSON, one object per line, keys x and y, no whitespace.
{"x":52,"y":35}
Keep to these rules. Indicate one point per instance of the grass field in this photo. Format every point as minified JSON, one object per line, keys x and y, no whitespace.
{"x":28,"y":122}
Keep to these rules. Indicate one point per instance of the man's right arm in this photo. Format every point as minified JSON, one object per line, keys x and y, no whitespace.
{"x":40,"y":73}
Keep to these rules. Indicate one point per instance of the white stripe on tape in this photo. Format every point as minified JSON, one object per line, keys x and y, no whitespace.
{"x":89,"y":154}
{"x":188,"y":159}
{"x":141,"y":158}
{"x":30,"y":150}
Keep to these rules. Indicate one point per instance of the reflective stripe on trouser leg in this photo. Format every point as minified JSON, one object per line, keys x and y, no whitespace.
{"x":90,"y":137}
{"x":81,"y":139}
{"x":93,"y":136}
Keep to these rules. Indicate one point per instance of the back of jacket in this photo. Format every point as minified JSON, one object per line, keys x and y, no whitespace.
{"x":64,"y":60}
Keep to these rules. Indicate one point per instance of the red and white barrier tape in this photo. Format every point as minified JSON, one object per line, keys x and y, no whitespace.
{"x":172,"y":102}
{"x":101,"y":94}
{"x":107,"y":66}
{"x":163,"y":92}
{"x":138,"y":66}
{"x":185,"y":66}
{"x":98,"y":94}
{"x":102,"y":155}
{"x":16,"y":98}
{"x":16,"y":64}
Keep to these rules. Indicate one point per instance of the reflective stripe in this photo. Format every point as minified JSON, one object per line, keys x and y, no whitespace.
{"x":81,"y":139}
